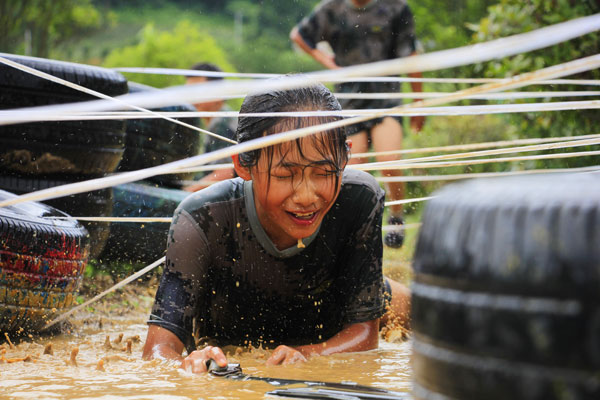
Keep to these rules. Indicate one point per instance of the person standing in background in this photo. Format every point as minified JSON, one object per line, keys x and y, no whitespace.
{"x":220,"y":125}
{"x":359,"y":32}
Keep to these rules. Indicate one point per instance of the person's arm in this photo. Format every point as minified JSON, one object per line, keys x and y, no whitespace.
{"x":213,"y":177}
{"x":178,"y":299}
{"x":361,"y":336}
{"x":321,"y":57}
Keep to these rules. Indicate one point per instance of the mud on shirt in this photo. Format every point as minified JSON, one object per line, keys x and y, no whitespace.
{"x":225,"y":280}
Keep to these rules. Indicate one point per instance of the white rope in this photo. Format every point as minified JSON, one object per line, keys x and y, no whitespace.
{"x":474,"y":146}
{"x":119,"y":285}
{"x":412,"y":111}
{"x":490,"y":96}
{"x":520,"y":149}
{"x":504,"y":46}
{"x":390,"y":165}
{"x":473,"y":175}
{"x":116,"y":219}
{"x":142,"y":220}
{"x":190,"y":72}
{"x":407,"y":201}
{"x":80,"y":88}
{"x":100,"y":183}
{"x":400,"y":227}
{"x":588,"y":140}
{"x":481,"y":52}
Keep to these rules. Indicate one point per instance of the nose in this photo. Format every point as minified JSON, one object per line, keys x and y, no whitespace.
{"x":305,"y":194}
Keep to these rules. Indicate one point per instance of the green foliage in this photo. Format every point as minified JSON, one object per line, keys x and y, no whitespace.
{"x":454,"y":130}
{"x":510,"y":17}
{"x":182,"y":47}
{"x":35,"y":27}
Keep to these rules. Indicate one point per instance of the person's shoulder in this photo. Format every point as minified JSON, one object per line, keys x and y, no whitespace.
{"x":355,"y":180}
{"x":221,"y":192}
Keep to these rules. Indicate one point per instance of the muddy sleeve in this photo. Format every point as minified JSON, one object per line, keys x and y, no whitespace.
{"x":179,"y":305}
{"x":314,"y":27}
{"x":362,"y":281}
{"x":403,"y":31}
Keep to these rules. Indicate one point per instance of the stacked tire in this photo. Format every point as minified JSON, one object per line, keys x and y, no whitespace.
{"x":42,"y":259}
{"x":141,"y":243}
{"x":506,"y":299}
{"x":40,"y":155}
{"x":151,"y":142}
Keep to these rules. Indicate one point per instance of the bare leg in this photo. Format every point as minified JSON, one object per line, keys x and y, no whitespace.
{"x":387,"y":136}
{"x":398,"y":310}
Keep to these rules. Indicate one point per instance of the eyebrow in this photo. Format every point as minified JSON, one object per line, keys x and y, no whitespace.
{"x":312,"y":163}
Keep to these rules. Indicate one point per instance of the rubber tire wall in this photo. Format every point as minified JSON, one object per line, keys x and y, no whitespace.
{"x":141,"y":243}
{"x":76,"y":148}
{"x":505,"y":301}
{"x":98,"y":203}
{"x":41,"y":264}
{"x":151,"y":142}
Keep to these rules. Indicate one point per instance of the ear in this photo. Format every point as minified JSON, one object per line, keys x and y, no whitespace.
{"x":242,"y":172}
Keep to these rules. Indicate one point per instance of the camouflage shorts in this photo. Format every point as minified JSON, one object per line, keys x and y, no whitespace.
{"x":363,"y":104}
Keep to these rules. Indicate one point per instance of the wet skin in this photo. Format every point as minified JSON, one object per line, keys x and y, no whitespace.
{"x":293,"y":196}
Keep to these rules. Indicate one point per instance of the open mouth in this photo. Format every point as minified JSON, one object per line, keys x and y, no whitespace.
{"x":303,"y":218}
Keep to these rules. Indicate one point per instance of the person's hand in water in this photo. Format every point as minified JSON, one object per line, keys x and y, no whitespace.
{"x":285,"y":355}
{"x":196,"y":362}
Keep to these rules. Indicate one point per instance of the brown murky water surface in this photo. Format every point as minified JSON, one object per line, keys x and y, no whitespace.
{"x":107,"y":371}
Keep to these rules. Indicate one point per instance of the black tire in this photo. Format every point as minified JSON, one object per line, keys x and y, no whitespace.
{"x":152,"y":142}
{"x":505,"y":301}
{"x":75,"y":148}
{"x":98,"y":203}
{"x":41,"y":264}
{"x":140,"y":243}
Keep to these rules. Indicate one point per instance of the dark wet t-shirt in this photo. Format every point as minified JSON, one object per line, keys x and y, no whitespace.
{"x":225,"y":280}
{"x":382,"y":30}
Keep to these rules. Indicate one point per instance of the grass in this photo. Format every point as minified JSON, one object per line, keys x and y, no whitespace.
{"x":397,"y":263}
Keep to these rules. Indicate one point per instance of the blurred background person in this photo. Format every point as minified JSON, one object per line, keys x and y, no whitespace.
{"x":223,"y":126}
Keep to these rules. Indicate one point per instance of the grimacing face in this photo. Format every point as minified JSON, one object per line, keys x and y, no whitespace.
{"x":295,"y":194}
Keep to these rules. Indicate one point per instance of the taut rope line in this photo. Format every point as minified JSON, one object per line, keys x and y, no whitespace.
{"x":554,"y":144}
{"x":104,"y":293}
{"x":100,"y":183}
{"x":190,"y":72}
{"x":495,"y":49}
{"x":80,"y":88}
{"x":412,"y":111}
{"x":455,"y":177}
{"x":440,"y":164}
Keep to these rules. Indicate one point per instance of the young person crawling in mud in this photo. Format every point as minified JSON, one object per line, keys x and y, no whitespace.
{"x":288,"y":254}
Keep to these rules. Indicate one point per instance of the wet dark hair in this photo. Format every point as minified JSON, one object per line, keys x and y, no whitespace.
{"x":331,"y":144}
{"x":206,"y":67}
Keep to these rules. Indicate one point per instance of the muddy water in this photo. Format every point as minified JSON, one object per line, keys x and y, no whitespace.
{"x":126,"y":376}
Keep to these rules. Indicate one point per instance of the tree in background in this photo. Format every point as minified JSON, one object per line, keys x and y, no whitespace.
{"x":182,"y":47}
{"x":510,"y":17}
{"x":35,"y":27}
